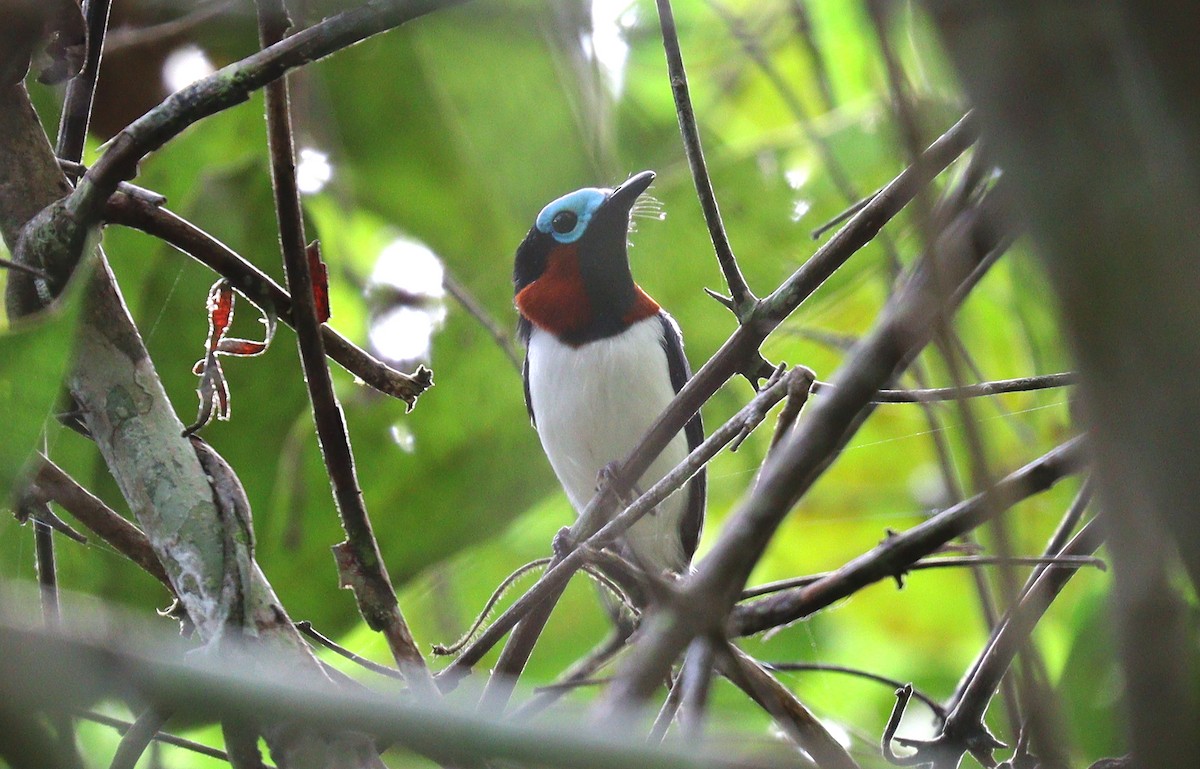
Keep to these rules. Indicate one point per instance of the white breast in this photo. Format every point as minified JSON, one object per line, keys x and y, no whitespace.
{"x":591,"y":404}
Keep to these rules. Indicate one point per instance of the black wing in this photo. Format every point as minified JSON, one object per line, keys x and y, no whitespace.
{"x":693,"y":517}
{"x":524,"y":329}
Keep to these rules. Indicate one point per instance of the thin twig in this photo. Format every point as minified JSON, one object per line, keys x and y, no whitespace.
{"x":359,"y":561}
{"x":804,"y":27}
{"x":477,"y":311}
{"x":822,"y":667}
{"x":131,"y":37}
{"x":8,"y":264}
{"x":743,"y":299}
{"x":305,"y":627}
{"x":163,"y":737}
{"x":846,"y":213}
{"x":978,"y":390}
{"x":934,"y":563}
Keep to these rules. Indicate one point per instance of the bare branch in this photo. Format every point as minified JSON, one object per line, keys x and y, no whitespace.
{"x":360,"y":564}
{"x":163,"y":737}
{"x":896,"y":552}
{"x":732,"y":358}
{"x":37,"y":666}
{"x":743,"y":299}
{"x":99,"y":518}
{"x":138,"y":737}
{"x":56,"y":238}
{"x":789,"y":713}
{"x":305,"y":627}
{"x":979,"y":390}
{"x":905,"y":327}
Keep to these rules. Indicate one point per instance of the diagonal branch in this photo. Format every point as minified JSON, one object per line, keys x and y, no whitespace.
{"x":899,"y":552}
{"x":99,"y":518}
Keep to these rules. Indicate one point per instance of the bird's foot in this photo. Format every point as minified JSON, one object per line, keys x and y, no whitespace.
{"x":562,"y":543}
{"x":610,"y":477}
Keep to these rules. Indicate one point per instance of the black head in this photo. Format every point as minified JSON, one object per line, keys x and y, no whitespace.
{"x":577,"y":247}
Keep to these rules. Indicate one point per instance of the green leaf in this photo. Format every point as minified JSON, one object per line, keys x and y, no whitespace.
{"x":34,"y":354}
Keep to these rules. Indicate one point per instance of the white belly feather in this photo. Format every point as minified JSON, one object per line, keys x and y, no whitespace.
{"x":591,"y":404}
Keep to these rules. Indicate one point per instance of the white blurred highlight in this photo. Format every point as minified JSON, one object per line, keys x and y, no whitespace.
{"x":185,"y":66}
{"x":313,"y":170}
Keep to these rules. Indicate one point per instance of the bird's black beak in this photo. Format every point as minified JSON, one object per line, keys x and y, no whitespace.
{"x":624,"y":196}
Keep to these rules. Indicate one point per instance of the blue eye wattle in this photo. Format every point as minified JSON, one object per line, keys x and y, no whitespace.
{"x":566,"y":218}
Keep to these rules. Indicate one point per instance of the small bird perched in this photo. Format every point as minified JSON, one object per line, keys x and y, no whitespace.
{"x":602,"y":361}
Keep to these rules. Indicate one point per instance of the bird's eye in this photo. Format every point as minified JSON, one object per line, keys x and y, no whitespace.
{"x":564,"y":221}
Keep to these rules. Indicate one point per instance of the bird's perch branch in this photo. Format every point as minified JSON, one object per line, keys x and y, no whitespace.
{"x":966,"y":246}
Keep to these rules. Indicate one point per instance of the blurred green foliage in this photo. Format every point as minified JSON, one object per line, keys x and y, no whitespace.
{"x":454,"y":131}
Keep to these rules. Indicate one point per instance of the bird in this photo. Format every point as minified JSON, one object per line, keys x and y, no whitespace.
{"x":602,"y":361}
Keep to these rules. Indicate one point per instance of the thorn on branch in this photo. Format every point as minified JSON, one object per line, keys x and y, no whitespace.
{"x":724,"y":301}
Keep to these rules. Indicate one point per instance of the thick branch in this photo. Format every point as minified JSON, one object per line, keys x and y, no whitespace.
{"x":37,"y":667}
